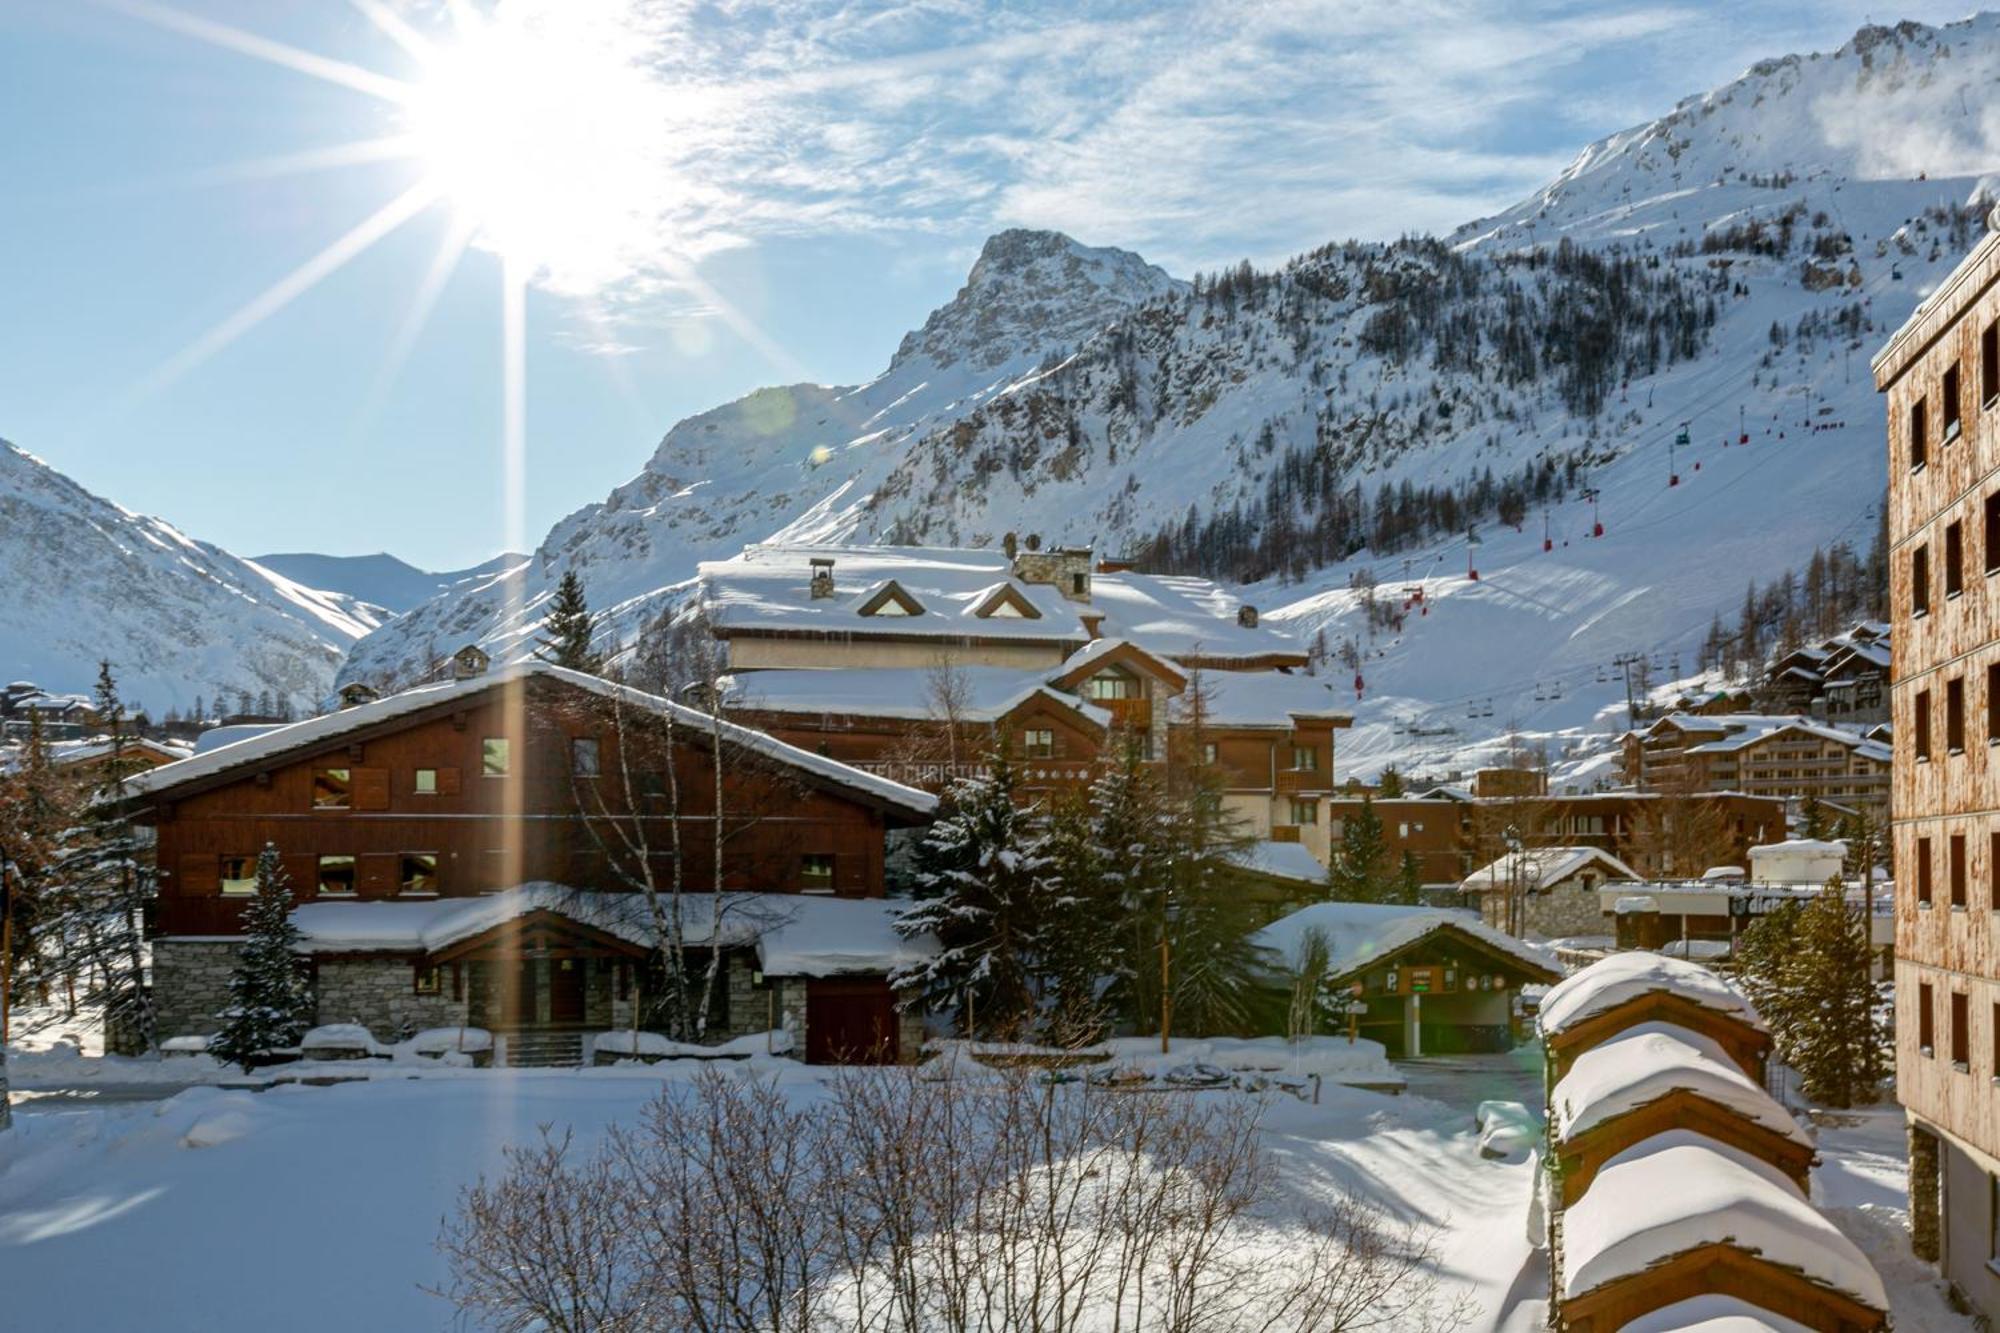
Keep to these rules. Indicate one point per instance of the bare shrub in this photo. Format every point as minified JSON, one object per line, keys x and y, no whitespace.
{"x":895,"y":1205}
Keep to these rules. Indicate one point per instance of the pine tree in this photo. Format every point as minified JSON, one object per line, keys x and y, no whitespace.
{"x":270,"y":1003}
{"x":38,"y":804}
{"x":986,"y":886}
{"x":1409,"y":880}
{"x":1813,"y":815}
{"x":1359,"y":869}
{"x":568,"y":631}
{"x":1390,"y":784}
{"x":1129,"y":860}
{"x":1807,"y":967}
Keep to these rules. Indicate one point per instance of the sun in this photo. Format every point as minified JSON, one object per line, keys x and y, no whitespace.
{"x":544,"y":134}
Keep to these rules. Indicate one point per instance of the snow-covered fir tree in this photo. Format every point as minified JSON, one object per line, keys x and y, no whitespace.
{"x":1129,"y":861}
{"x":569,"y":629}
{"x":269,"y":1001}
{"x":1807,"y":967}
{"x":1360,"y":870}
{"x":987,"y":886}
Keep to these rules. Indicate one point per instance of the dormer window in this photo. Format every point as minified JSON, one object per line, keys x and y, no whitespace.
{"x":889,"y":600}
{"x":1006,"y":602}
{"x":1111,"y":685}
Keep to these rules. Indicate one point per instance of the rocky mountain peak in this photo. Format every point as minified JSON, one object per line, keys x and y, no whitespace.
{"x":1031,"y":290}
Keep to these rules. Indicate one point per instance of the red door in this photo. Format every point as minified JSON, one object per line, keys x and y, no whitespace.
{"x":850,"y":1022}
{"x":565,"y":991}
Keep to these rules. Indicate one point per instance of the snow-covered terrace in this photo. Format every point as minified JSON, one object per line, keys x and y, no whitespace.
{"x":1623,"y":977}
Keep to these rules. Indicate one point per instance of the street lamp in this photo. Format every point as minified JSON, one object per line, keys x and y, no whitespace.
{"x":1511,"y":836}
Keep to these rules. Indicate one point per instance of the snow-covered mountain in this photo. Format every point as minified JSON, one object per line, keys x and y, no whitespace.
{"x":1342,"y":421}
{"x":381,"y":579}
{"x":796,"y":459}
{"x":83,"y":579}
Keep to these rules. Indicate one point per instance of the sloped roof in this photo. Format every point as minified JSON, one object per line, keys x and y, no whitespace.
{"x":767,"y":588}
{"x":1678,"y":1191}
{"x":794,"y":934}
{"x":1712,"y":1313}
{"x":1539,"y":868}
{"x":316,"y":732}
{"x":1270,"y":698}
{"x":1283,"y":860}
{"x":1360,"y":933}
{"x":986,"y":693}
{"x":1611,"y":982}
{"x":1652,"y":1060}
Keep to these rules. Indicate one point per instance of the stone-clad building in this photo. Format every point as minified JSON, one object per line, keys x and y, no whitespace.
{"x":472,"y":852}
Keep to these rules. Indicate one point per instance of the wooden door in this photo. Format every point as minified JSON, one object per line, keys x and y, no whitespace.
{"x":850,"y":1022}
{"x":566,"y":991}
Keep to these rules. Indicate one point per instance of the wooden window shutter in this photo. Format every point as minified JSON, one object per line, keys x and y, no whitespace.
{"x":201,"y":874}
{"x":447,"y":782}
{"x":380,"y":874}
{"x":371,"y":789}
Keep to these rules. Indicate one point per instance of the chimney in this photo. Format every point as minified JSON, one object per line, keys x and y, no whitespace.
{"x":468,"y":662}
{"x":822,"y":577}
{"x":356,"y":693}
{"x":1067,"y":569}
{"x":1246,"y":616}
{"x":1011,"y":545}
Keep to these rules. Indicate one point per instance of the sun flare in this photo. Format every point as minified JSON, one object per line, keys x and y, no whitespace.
{"x":542,"y":133}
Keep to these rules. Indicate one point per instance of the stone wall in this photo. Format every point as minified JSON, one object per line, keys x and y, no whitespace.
{"x":191,"y":985}
{"x":380,"y":994}
{"x":1565,"y":910}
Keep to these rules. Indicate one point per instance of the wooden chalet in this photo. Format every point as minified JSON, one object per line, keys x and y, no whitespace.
{"x":1630,"y":989}
{"x":471,"y":852}
{"x":1434,"y":980}
{"x":1653,"y":1078}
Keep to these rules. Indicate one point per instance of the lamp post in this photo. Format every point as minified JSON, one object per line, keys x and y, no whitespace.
{"x":1166,"y":961}
{"x":1512,"y":837}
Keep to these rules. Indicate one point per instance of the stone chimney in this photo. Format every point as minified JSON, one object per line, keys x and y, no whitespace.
{"x":1246,"y":616}
{"x":1067,"y":569}
{"x":469,"y":661}
{"x":822,"y":577}
{"x":356,"y":693}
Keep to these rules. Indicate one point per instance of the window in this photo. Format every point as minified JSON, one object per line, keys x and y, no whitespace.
{"x":336,"y":876}
{"x":1921,"y":726}
{"x":1039,"y":744}
{"x":1951,"y":405}
{"x":1079,"y":584}
{"x":1989,"y":364}
{"x":420,"y":873}
{"x":1993,"y":533}
{"x":428,"y":980}
{"x":1955,"y":870}
{"x":816,"y":873}
{"x":1305,"y":812}
{"x":495,"y":755}
{"x":1961,"y":1030}
{"x":1920,"y":581}
{"x":1923,"y":872}
{"x":426,"y":782}
{"x":1993,"y":894}
{"x":1305,"y":758}
{"x":583,"y":756}
{"x":331,"y":789}
{"x":1208,"y":752}
{"x":239,"y":875}
{"x":1919,"y":446}
{"x":1954,"y":715}
{"x":1954,"y":559}
{"x":1111,"y":685}
{"x":1926,"y":1019}
{"x":1993,"y":703}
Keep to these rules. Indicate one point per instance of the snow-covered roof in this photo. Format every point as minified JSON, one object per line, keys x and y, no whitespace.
{"x":1678,"y":1191}
{"x":795,"y":934}
{"x":1614,"y":981}
{"x":1359,"y":933}
{"x":217,"y":737}
{"x":1270,"y":698}
{"x":986,"y":693}
{"x":279,"y":741}
{"x":1652,"y":1060}
{"x":1283,"y":860}
{"x":768,"y":588}
{"x":1541,"y":868}
{"x":1798,"y":847}
{"x":1713,"y":1313}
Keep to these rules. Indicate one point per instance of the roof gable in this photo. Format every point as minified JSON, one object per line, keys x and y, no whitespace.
{"x":888,"y":598}
{"x":1119,"y":653}
{"x":1006,"y":601}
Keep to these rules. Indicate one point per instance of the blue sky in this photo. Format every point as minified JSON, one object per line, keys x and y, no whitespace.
{"x":749,"y":193}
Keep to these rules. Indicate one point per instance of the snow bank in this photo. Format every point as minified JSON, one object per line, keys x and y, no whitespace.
{"x":1363,"y":1064}
{"x":1645,"y":1063}
{"x":341,"y":1038}
{"x":1623,"y":977}
{"x":436,"y":1041}
{"x":1677,"y":1191}
{"x":654,"y":1045}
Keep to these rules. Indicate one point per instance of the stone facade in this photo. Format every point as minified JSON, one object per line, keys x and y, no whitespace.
{"x":191,"y":985}
{"x":1923,"y":1177}
{"x":1566,"y":910}
{"x":380,"y":994}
